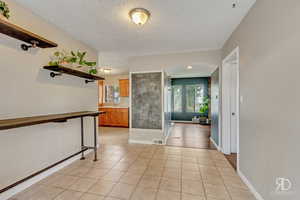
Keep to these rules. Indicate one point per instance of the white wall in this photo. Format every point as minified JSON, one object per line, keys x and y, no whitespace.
{"x":27,"y":90}
{"x":164,"y":60}
{"x":167,"y":106}
{"x":117,"y":61}
{"x":203,"y":62}
{"x":268,"y":39}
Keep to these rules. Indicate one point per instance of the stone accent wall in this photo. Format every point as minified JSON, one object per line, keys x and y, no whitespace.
{"x":146,"y":100}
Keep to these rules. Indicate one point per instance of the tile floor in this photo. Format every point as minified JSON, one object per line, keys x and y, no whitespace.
{"x":142,"y":172}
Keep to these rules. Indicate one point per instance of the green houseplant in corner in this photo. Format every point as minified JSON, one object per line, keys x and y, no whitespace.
{"x":70,"y":59}
{"x":4,"y":10}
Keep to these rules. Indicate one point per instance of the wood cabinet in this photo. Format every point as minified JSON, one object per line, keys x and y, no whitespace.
{"x":124,"y":87}
{"x":118,"y":117}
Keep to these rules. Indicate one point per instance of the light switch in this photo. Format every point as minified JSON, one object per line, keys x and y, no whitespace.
{"x":241,"y":99}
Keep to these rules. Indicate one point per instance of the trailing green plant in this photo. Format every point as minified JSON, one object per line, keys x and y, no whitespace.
{"x":61,"y":58}
{"x":4,"y":10}
{"x":79,"y":57}
{"x":204,"y":107}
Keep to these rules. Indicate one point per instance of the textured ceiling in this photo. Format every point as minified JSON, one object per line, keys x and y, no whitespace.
{"x":197,"y":71}
{"x":175,"y":25}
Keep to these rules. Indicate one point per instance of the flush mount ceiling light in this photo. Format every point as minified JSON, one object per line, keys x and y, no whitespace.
{"x":189,"y":67}
{"x":107,"y":70}
{"x":139,"y":16}
{"x":104,"y":70}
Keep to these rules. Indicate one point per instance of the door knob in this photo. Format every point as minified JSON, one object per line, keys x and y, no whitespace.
{"x":233,"y":114}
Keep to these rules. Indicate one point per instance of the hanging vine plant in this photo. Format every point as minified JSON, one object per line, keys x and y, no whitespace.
{"x":4,"y":10}
{"x":72,"y":58}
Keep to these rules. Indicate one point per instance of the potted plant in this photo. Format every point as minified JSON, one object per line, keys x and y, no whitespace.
{"x":4,"y":10}
{"x":204,"y":108}
{"x":70,"y":59}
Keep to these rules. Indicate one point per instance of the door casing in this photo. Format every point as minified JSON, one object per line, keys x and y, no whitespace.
{"x":225,"y":128}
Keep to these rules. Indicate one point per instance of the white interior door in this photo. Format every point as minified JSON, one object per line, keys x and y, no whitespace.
{"x":233,"y":107}
{"x":230,"y":102}
{"x":226,"y":109}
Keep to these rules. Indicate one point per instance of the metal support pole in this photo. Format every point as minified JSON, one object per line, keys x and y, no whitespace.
{"x":95,"y":139}
{"x":82,"y":139}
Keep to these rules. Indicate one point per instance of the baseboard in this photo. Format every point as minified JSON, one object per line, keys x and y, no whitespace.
{"x":250,"y":186}
{"x":19,"y":188}
{"x":146,"y":136}
{"x":212,"y":140}
{"x":168,"y":134}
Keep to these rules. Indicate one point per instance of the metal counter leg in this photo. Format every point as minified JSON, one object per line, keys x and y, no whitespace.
{"x":82,"y":139}
{"x":95,"y":139}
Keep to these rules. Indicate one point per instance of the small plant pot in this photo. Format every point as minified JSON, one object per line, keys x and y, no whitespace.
{"x":3,"y":18}
{"x":66,"y":64}
{"x":203,"y":120}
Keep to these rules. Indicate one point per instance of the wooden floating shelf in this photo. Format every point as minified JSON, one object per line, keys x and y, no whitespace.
{"x":29,"y":121}
{"x":19,"y":33}
{"x":74,"y":72}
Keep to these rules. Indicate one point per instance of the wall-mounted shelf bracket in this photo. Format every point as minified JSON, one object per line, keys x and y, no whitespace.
{"x":53,"y":74}
{"x":34,"y":44}
{"x":89,"y":81}
{"x":61,"y":121}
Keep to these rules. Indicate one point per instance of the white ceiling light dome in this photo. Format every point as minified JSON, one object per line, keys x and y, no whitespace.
{"x":139,"y":16}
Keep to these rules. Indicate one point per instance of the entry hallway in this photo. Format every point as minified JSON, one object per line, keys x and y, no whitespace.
{"x":190,"y":135}
{"x":142,"y":172}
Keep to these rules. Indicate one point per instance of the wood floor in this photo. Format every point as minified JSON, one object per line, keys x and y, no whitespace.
{"x":190,"y":135}
{"x":232,"y":158}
